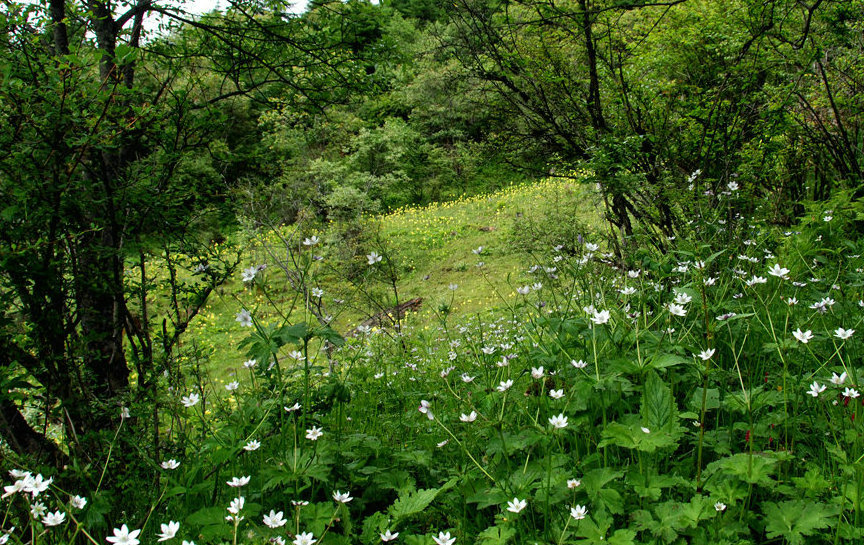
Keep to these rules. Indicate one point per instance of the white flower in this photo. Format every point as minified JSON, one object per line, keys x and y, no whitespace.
{"x":634,"y":274}
{"x":311,"y":241}
{"x":524,"y":290}
{"x":37,"y":509}
{"x":838,"y":380}
{"x":677,"y":310}
{"x":600,"y":317}
{"x":292,"y":408}
{"x":317,"y":292}
{"x":516,"y":505}
{"x":252,"y":445}
{"x":274,"y":519}
{"x":706,"y":354}
{"x":579,"y":364}
{"x":231,"y":386}
{"x":779,"y":272}
{"x":578,"y":512}
{"x":468,"y":417}
{"x":169,"y":530}
{"x":756,"y":280}
{"x":645,"y":430}
{"x":709,"y":281}
{"x":816,"y":389}
{"x":466,"y":378}
{"x":373,"y":258}
{"x":78,"y":502}
{"x":249,"y":364}
{"x":850,"y":392}
{"x":802,"y":336}
{"x":170,"y":464}
{"x":305,"y":538}
{"x":537,"y":372}
{"x":720,"y":506}
{"x":249,"y":274}
{"x":591,"y":247}
{"x":388,"y":535}
{"x":124,"y":413}
{"x":244,"y":317}
{"x":236,"y":505}
{"x":442,"y":443}
{"x":444,"y":539}
{"x":237,"y":482}
{"x":629,"y":290}
{"x":191,"y":400}
{"x":299,"y":503}
{"x":122,"y":536}
{"x":682,"y":298}
{"x":477,"y":251}
{"x":733,"y":186}
{"x":843,"y":334}
{"x":314,"y":433}
{"x":36,"y":485}
{"x":573,"y":483}
{"x":453,"y":287}
{"x":792,"y":301}
{"x":504,"y":385}
{"x":556,"y":394}
{"x":424,"y":408}
{"x":54,"y":519}
{"x":342,"y":497}
{"x":558,"y":422}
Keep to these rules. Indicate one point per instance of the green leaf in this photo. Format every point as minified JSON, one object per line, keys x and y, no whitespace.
{"x":793,"y":520}
{"x":411,"y":503}
{"x":496,"y":535}
{"x":657,"y":403}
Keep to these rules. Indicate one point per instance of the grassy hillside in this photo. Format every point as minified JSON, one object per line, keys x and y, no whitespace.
{"x":435,"y":246}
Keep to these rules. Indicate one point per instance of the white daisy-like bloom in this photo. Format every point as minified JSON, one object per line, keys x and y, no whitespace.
{"x":249,"y":273}
{"x":342,"y":497}
{"x":274,"y":519}
{"x":317,"y":292}
{"x":311,"y":241}
{"x":236,"y":505}
{"x":468,"y":417}
{"x":843,"y":334}
{"x":558,"y":422}
{"x":803,"y":336}
{"x":573,"y":483}
{"x":816,"y":389}
{"x":591,"y":247}
{"x":191,"y":400}
{"x":54,"y":519}
{"x":578,"y":512}
{"x":504,"y":385}
{"x":645,"y":430}
{"x":838,"y":380}
{"x":682,"y":298}
{"x":292,"y":408}
{"x":629,"y":290}
{"x":249,"y":364}
{"x":516,"y":505}
{"x":122,"y":536}
{"x":779,"y":272}
{"x":705,"y":355}
{"x":443,"y":443}
{"x":388,"y":535}
{"x":466,"y":378}
{"x":231,"y":386}
{"x":314,"y":433}
{"x":850,"y":392}
{"x":244,"y":317}
{"x":237,"y":482}
{"x":600,"y":317}
{"x":373,"y":258}
{"x":169,"y":530}
{"x":719,"y":506}
{"x":304,"y":538}
{"x":425,"y":409}
{"x":443,"y":538}
{"x":634,"y":274}
{"x":537,"y":372}
{"x":524,"y":290}
{"x":792,"y":301}
{"x":677,"y":310}
{"x":756,"y":280}
{"x":556,"y":394}
{"x":579,"y":364}
{"x":78,"y":502}
{"x":252,"y":445}
{"x":170,"y":464}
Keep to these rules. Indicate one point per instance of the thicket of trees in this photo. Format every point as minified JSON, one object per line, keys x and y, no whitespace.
{"x":117,"y":145}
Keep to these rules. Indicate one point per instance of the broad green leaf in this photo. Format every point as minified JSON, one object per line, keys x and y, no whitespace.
{"x":496,"y":535}
{"x":657,"y":404}
{"x":793,"y":520}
